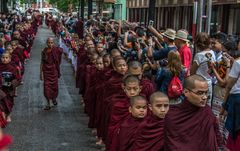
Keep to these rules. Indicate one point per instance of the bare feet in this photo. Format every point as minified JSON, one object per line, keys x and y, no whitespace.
{"x":9,"y":119}
{"x":99,"y":142}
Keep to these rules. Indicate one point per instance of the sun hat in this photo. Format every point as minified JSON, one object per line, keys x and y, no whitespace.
{"x":169,"y":33}
{"x":182,"y":34}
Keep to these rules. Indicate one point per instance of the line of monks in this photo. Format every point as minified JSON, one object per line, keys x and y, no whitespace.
{"x":16,"y":52}
{"x":126,"y":114}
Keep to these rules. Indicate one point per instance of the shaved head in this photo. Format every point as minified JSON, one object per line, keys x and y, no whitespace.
{"x":157,"y":95}
{"x":189,"y":82}
{"x":136,"y":98}
{"x":130,"y":79}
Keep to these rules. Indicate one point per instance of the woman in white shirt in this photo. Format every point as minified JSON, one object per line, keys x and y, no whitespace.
{"x":202,"y":59}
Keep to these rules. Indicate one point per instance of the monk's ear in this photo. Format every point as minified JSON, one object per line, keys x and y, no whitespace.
{"x":130,"y":109}
{"x":150,"y":107}
{"x":140,"y":87}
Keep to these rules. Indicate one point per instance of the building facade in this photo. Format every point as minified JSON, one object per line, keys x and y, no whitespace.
{"x":178,"y":14}
{"x":120,"y":10}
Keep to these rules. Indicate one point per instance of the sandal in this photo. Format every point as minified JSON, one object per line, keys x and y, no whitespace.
{"x":47,"y":107}
{"x":54,"y":102}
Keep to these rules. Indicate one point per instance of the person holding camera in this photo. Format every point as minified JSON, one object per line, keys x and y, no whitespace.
{"x":162,"y":53}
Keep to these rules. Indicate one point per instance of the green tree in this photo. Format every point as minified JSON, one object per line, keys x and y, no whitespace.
{"x":63,"y":4}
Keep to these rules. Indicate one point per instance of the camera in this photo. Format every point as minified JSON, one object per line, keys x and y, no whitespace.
{"x":163,"y":62}
{"x":1,"y":35}
{"x":7,"y":78}
{"x":151,"y":22}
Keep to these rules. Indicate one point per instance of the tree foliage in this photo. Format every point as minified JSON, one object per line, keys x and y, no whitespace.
{"x":63,"y":4}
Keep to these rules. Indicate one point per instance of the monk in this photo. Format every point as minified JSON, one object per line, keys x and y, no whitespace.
{"x":150,"y":133}
{"x":120,"y":106}
{"x":50,"y":72}
{"x":102,"y":77}
{"x":136,"y":68}
{"x":128,"y":129}
{"x":3,"y":121}
{"x":8,"y":74}
{"x":90,"y":95}
{"x":113,"y":85}
{"x":191,"y":125}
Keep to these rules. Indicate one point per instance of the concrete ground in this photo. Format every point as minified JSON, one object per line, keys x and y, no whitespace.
{"x":63,"y":128}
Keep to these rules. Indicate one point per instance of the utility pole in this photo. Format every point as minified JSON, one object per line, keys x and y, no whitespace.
{"x":204,"y":15}
{"x":195,"y":12}
{"x":90,"y":7}
{"x":82,"y":9}
{"x":151,"y":10}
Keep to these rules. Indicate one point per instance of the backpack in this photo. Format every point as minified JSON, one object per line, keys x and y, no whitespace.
{"x":175,"y":88}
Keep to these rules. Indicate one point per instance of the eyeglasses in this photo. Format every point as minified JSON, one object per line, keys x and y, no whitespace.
{"x":200,"y":93}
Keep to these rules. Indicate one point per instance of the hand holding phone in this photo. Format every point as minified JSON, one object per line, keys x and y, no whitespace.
{"x":151,"y":22}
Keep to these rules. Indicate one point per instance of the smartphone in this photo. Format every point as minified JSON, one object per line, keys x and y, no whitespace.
{"x":151,"y":22}
{"x":1,"y":35}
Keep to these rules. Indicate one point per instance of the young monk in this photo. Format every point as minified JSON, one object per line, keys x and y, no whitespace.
{"x":50,"y":72}
{"x":102,"y":77}
{"x":114,"y":88}
{"x":9,"y":83}
{"x":119,"y":110}
{"x":89,"y":96}
{"x":106,"y":60}
{"x":150,"y":134}
{"x":127,"y":131}
{"x":191,"y":125}
{"x":136,"y":68}
{"x":98,"y":89}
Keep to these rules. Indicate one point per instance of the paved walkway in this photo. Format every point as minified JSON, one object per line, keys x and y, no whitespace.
{"x":61,"y":129}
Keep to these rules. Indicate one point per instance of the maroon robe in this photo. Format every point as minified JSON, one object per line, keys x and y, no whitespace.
{"x":147,"y":88}
{"x":79,"y":28}
{"x":150,"y":135}
{"x":90,"y":94}
{"x":119,"y":112}
{"x":127,"y":134}
{"x":189,"y":128}
{"x":9,"y":91}
{"x":3,"y":122}
{"x":51,"y":72}
{"x":102,"y":78}
{"x":81,"y":65}
{"x":114,"y":88}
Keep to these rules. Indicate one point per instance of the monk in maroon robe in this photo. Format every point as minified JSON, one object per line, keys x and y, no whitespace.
{"x":90,"y":95}
{"x":50,"y":71}
{"x":191,"y":125}
{"x":102,"y":78}
{"x":120,"y":108}
{"x":79,"y":28}
{"x":135,"y":68}
{"x":128,"y":128}
{"x":114,"y":89}
{"x":150,"y":133}
{"x":8,"y":74}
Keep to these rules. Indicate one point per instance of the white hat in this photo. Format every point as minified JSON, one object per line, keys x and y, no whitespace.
{"x":182,"y":34}
{"x":169,"y":33}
